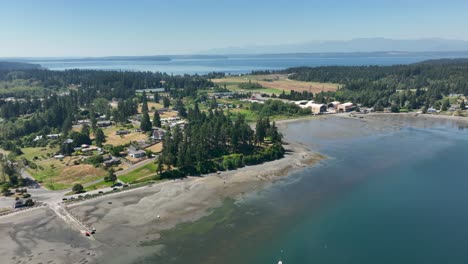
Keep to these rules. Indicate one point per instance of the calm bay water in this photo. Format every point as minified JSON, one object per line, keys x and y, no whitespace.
{"x":229,"y":65}
{"x":391,"y":191}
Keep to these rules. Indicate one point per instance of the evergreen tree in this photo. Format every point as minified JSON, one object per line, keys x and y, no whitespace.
{"x":145,"y":123}
{"x":260,"y":131}
{"x":156,"y":98}
{"x":92,"y":117}
{"x":160,"y":165}
{"x":156,"y":119}
{"x":445,"y":105}
{"x":166,"y":102}
{"x":67,"y":124}
{"x":179,"y":106}
{"x":144,"y":103}
{"x":100,"y":137}
{"x":85,"y":130}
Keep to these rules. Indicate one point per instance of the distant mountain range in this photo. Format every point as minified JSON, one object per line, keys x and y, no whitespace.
{"x":355,"y":46}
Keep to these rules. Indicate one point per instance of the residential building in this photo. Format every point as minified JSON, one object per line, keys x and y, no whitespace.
{"x":136,"y":154}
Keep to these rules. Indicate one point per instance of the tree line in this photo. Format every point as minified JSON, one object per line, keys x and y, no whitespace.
{"x":212,"y":141}
{"x":423,"y":83}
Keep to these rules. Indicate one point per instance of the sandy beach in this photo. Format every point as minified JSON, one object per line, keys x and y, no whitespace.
{"x":125,"y":221}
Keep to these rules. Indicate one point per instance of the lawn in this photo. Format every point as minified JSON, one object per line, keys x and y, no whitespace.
{"x":41,"y":153}
{"x":99,"y":185}
{"x":145,"y":171}
{"x":277,"y":83}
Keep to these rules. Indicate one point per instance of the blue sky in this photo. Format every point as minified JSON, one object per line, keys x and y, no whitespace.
{"x":140,"y":27}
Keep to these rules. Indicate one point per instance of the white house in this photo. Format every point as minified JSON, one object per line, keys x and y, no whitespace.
{"x":137,"y":154}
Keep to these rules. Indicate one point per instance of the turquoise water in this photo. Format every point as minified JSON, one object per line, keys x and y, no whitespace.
{"x":396,"y":194}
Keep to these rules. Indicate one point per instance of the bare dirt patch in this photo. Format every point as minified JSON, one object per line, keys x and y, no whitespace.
{"x":281,"y":82}
{"x":79,"y":173}
{"x":156,"y":147}
{"x":115,"y":140}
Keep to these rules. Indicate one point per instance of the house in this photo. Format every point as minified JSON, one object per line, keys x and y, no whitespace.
{"x":136,"y":154}
{"x":59,"y":157}
{"x":346,"y":107}
{"x":37,"y":138}
{"x":89,"y":149}
{"x":454,"y":108}
{"x":178,"y":123}
{"x":431,"y":110}
{"x":223,"y":95}
{"x":53,"y":136}
{"x":163,"y":110}
{"x":122,"y":132}
{"x":152,"y":90}
{"x":318,"y":108}
{"x":306,"y":104}
{"x":333,"y":104}
{"x":104,"y":123}
{"x":84,"y":122}
{"x":158,"y":134}
{"x":110,"y":162}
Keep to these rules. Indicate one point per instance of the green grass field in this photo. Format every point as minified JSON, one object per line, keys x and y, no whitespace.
{"x":99,"y":185}
{"x":41,"y":153}
{"x":143,"y":172}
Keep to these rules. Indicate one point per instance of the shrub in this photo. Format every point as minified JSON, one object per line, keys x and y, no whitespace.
{"x":77,"y":188}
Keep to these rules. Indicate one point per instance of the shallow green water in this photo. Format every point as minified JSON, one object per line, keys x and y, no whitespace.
{"x":393,"y":195}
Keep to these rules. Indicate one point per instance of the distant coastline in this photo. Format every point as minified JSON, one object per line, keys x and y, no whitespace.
{"x":236,"y":64}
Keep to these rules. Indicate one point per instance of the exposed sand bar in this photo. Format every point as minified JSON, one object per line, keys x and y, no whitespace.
{"x":135,"y":216}
{"x":40,"y":236}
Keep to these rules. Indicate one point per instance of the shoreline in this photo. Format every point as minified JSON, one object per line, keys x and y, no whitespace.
{"x":139,"y":216}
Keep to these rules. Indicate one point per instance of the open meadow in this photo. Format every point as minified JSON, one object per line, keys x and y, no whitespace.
{"x":57,"y":174}
{"x":276,"y":83}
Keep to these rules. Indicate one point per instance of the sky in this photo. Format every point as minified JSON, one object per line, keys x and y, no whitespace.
{"x":63,"y":28}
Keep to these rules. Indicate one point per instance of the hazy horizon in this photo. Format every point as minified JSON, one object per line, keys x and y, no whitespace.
{"x":54,"y":28}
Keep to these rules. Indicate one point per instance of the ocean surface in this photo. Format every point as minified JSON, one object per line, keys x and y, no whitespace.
{"x":391,"y":191}
{"x":234,"y":65}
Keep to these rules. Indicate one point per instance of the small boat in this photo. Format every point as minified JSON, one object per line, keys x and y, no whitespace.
{"x":280,"y":262}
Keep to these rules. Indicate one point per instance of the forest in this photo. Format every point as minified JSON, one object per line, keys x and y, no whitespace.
{"x":422,"y":84}
{"x":212,"y":141}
